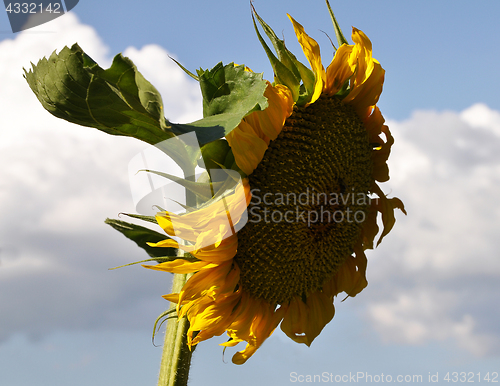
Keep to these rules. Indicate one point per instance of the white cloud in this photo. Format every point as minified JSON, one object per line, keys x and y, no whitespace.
{"x":482,"y":117}
{"x":419,"y":315}
{"x":437,"y":276}
{"x":42,"y":40}
{"x":58,"y":182}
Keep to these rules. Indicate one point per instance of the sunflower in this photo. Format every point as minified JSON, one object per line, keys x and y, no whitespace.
{"x":311,"y":162}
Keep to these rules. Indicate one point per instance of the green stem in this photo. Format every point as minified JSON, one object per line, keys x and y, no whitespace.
{"x":176,"y":356}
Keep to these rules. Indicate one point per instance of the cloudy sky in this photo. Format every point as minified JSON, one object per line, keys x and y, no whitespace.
{"x":432,"y":304}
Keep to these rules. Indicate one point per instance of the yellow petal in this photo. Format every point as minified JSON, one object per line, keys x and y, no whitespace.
{"x":269,"y":122}
{"x":210,"y":225}
{"x":180,"y":266}
{"x":386,"y":207}
{"x":312,"y":53}
{"x":359,"y":272}
{"x":249,"y":141}
{"x":255,"y":321}
{"x":174,"y":298}
{"x":167,"y":243}
{"x":351,"y":276}
{"x":295,"y":321}
{"x":366,"y":85}
{"x":320,"y":313}
{"x":367,"y":94}
{"x":361,"y":59}
{"x":304,"y":322}
{"x":223,"y":251}
{"x":263,"y":325}
{"x":246,"y":312}
{"x":163,"y":220}
{"x":242,"y":356}
{"x":211,"y":318}
{"x":380,"y":156}
{"x":370,"y":227}
{"x":248,"y":148}
{"x":210,"y":282}
{"x":339,"y":70}
{"x":373,"y":123}
{"x":226,"y":250}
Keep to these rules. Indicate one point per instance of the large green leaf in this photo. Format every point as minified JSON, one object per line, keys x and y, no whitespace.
{"x":118,"y":101}
{"x":141,"y":236}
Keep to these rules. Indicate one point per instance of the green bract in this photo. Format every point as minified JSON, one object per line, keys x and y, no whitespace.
{"x":141,"y":236}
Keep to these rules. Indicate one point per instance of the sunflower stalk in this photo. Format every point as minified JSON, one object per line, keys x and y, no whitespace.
{"x":176,"y":357}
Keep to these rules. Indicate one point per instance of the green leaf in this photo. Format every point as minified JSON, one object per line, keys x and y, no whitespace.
{"x":214,"y":154}
{"x":229,"y":94}
{"x":230,"y":89}
{"x":151,"y":219}
{"x":211,"y":128}
{"x":118,"y":101}
{"x":141,"y":236}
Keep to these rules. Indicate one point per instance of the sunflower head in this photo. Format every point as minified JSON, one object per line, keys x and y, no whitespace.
{"x":281,"y":243}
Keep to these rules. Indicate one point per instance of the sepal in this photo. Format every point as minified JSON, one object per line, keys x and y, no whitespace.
{"x":338,"y":32}
{"x":141,"y":236}
{"x":285,"y":73}
{"x":165,"y":316}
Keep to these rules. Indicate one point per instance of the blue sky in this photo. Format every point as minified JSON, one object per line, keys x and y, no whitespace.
{"x":437,"y":55}
{"x":432,"y":303}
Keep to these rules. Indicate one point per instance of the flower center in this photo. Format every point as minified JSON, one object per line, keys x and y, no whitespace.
{"x":309,"y":200}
